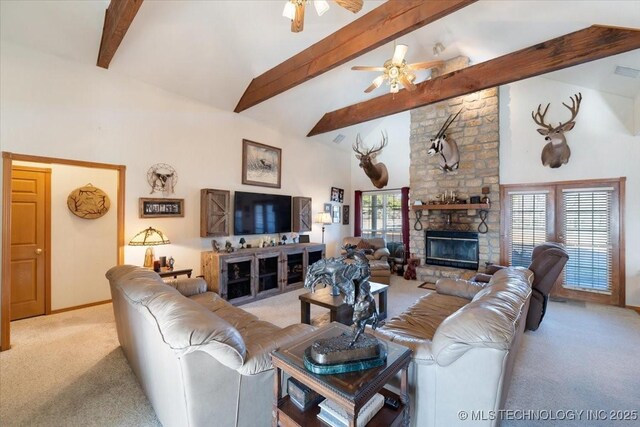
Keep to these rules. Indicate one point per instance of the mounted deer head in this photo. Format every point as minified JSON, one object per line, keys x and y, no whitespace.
{"x":377,"y":172}
{"x":448,"y":149}
{"x":556,"y":153}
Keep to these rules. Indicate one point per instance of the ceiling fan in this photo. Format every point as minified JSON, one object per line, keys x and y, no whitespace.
{"x":294,"y":10}
{"x":397,"y":72}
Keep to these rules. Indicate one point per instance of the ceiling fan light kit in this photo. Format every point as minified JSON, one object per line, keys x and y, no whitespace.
{"x":396,"y":72}
{"x":294,"y":10}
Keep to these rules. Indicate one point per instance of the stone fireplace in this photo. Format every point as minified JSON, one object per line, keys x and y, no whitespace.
{"x":476,"y":131}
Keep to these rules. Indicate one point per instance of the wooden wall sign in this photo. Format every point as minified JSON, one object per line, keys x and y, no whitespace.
{"x":161,"y":208}
{"x":88,"y":202}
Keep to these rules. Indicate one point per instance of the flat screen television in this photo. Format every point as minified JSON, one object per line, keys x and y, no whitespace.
{"x":255,"y":213}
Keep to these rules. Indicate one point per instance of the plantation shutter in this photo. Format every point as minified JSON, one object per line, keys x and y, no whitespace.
{"x":587,"y":234}
{"x":528,"y":225}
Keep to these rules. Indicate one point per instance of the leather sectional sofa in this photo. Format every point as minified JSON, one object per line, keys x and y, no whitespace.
{"x":200,"y":360}
{"x":464,"y":339}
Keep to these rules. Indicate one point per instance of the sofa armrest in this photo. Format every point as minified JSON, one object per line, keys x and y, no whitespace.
{"x":420,"y":347}
{"x":188,"y":287}
{"x":258,"y":358}
{"x":381,"y":253}
{"x":459,"y":288}
{"x":493,"y":268}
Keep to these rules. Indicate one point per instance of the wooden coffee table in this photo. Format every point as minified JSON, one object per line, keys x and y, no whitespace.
{"x":339,"y":311}
{"x":351,"y":390}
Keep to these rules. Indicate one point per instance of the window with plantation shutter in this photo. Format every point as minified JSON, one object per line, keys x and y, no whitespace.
{"x":587,"y":237}
{"x":528,"y":225}
{"x":586,"y":217}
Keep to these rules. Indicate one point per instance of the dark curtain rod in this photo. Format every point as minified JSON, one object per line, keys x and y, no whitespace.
{"x":380,"y":191}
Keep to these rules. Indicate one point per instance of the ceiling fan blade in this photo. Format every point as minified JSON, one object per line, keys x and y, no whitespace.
{"x":351,"y":5}
{"x":398,"y":55}
{"x":407,"y":83}
{"x":425,"y":65}
{"x":375,"y":84}
{"x":366,"y":68}
{"x":297,"y":23}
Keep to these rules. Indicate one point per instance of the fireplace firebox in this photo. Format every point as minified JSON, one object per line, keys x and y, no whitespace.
{"x":457,"y":249}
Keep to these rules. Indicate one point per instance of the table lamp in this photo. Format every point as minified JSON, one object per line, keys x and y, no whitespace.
{"x":323,"y":218}
{"x":149,"y":237}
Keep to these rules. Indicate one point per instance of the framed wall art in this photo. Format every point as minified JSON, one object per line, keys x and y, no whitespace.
{"x":160,"y":208}
{"x":337,"y":194}
{"x":327,"y":208}
{"x":336,"y":214}
{"x":261,"y":164}
{"x":345,"y":215}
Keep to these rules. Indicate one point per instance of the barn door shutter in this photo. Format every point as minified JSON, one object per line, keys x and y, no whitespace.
{"x":214,"y":212}
{"x":302,"y":219}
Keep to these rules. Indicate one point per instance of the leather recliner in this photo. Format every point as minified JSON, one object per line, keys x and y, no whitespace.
{"x":547,"y":261}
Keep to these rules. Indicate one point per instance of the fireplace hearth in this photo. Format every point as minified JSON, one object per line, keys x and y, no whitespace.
{"x":459,"y":249}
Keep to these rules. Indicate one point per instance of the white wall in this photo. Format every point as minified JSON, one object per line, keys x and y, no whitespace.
{"x":57,"y":108}
{"x":636,"y":115}
{"x":81,"y":249}
{"x":601,"y":147}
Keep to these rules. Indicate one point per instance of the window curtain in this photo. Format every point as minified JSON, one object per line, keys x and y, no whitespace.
{"x":404,"y":201}
{"x":357,"y":218}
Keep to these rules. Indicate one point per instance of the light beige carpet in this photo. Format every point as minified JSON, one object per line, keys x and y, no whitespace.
{"x":68,"y":370}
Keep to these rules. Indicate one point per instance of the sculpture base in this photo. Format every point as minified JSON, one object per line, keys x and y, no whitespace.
{"x":335,"y":356}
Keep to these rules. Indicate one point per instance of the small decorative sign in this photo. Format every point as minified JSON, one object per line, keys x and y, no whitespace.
{"x":161,"y":208}
{"x":345,"y":215}
{"x":88,"y":202}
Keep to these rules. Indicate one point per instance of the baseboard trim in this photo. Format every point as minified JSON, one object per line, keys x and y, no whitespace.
{"x":78,"y":307}
{"x":634,"y":308}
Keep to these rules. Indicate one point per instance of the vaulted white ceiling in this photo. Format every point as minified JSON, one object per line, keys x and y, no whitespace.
{"x":210,"y":50}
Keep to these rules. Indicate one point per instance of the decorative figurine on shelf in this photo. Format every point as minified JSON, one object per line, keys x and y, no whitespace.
{"x":215,"y":246}
{"x":294,"y":237}
{"x":228,"y":247}
{"x":284,"y":239}
{"x":236,"y":272}
{"x":357,"y":350}
{"x":486,"y":191}
{"x":170,"y":263}
{"x":242,"y":242}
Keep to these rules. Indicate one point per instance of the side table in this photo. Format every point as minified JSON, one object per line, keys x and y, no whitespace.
{"x":339,"y":311}
{"x":351,"y":390}
{"x":175,"y":273}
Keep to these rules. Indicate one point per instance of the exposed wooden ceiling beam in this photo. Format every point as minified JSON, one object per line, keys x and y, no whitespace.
{"x":387,"y":22}
{"x":589,"y":44}
{"x":117,"y":20}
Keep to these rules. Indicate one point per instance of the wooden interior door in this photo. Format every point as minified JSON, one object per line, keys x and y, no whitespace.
{"x":29,"y":241}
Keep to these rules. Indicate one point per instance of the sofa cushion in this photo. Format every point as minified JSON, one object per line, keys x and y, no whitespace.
{"x":262,"y":338}
{"x":418,"y":324}
{"x":187,"y":326}
{"x":188,"y":287}
{"x":459,"y":287}
{"x":489,"y":320}
{"x":213,"y":302}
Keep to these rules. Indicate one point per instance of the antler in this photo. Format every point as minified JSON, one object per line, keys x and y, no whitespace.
{"x":539,"y":117}
{"x":447,"y":123}
{"x":357,"y":146}
{"x":369,"y":151}
{"x":575,"y":107}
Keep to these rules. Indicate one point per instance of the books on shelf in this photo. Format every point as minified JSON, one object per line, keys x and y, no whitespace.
{"x":335,"y":416}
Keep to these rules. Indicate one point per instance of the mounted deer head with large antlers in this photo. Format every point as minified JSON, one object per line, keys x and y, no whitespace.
{"x":447,"y":148}
{"x":377,"y":172}
{"x":556,"y":153}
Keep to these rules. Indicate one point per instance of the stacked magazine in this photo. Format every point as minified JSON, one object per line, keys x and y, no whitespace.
{"x":335,"y":416}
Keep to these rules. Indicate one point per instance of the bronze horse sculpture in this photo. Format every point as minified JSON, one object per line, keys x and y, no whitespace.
{"x":351,"y":280}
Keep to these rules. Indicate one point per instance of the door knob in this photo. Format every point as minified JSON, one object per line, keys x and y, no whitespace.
{"x":38,"y":251}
